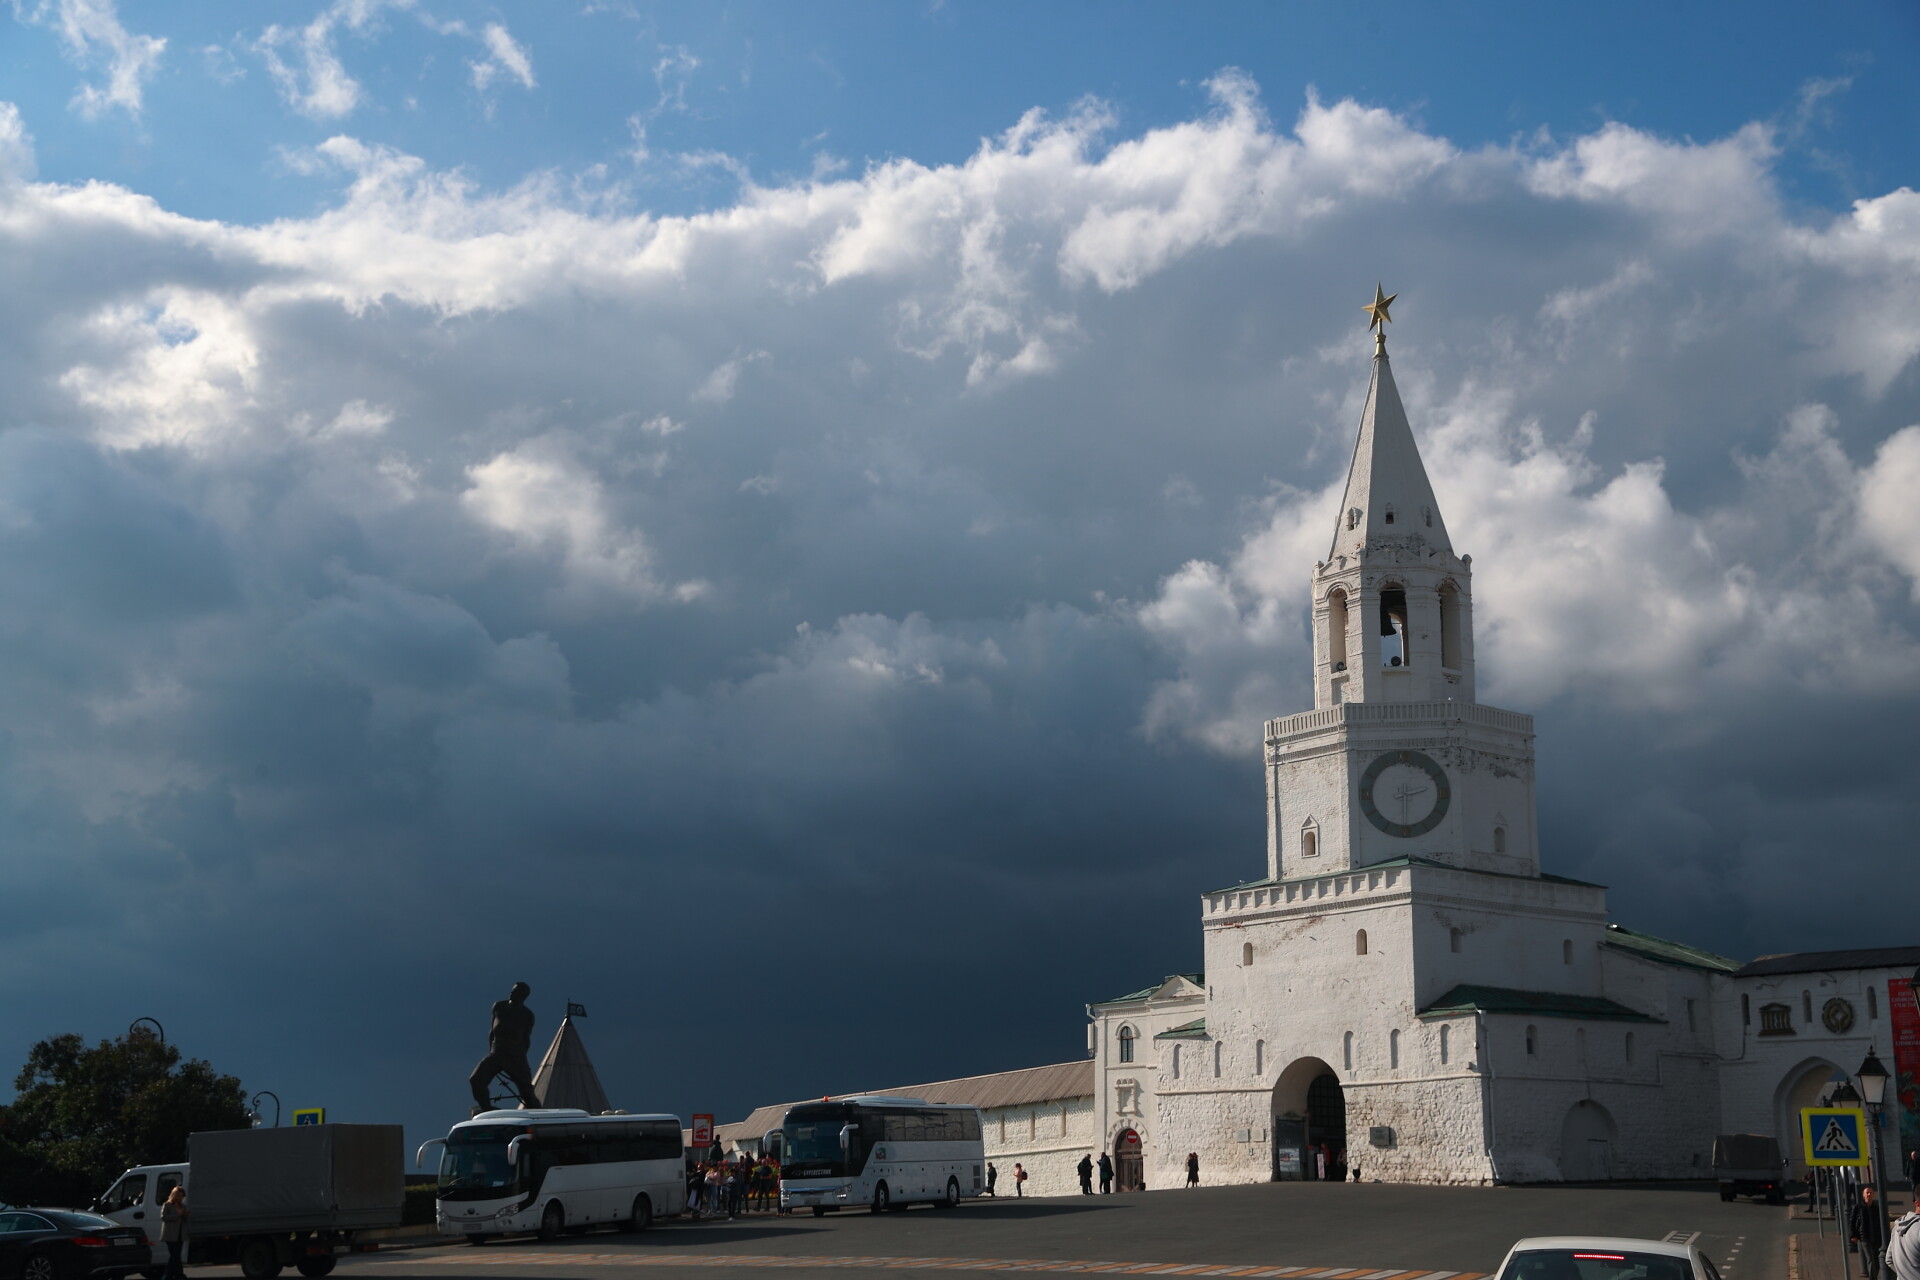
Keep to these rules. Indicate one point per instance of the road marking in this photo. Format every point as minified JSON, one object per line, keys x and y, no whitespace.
{"x":1676,"y":1237}
{"x":563,"y":1258}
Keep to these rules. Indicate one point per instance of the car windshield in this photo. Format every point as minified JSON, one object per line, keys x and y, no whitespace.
{"x":71,"y":1218}
{"x":1595,"y":1264}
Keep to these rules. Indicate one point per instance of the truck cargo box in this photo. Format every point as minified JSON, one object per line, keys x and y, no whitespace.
{"x":306,"y":1178}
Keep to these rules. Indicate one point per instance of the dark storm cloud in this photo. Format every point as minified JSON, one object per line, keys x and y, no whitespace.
{"x":842,"y":622}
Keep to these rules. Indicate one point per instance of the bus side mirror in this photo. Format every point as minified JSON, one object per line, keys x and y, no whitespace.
{"x":513,"y":1148}
{"x":846,"y":1136}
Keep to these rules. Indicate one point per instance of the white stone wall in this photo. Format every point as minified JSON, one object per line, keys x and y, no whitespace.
{"x":1047,"y":1137}
{"x":1757,"y":1073}
{"x":1126,"y":1091}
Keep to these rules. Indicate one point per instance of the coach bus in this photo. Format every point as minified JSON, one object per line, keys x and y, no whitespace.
{"x":884,"y":1153}
{"x":548,"y":1170}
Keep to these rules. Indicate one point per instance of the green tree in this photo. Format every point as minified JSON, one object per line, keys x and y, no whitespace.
{"x":81,"y":1115}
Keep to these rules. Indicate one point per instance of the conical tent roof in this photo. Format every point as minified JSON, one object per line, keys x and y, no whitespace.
{"x":1386,"y":475}
{"x":566,"y":1077}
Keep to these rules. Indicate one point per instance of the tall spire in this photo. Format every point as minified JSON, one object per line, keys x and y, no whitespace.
{"x":1388,"y":494}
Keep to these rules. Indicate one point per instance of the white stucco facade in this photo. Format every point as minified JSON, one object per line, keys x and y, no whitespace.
{"x":1405,"y":986}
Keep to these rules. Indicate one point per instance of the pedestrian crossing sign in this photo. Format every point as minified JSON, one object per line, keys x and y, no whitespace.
{"x":1834,"y":1135}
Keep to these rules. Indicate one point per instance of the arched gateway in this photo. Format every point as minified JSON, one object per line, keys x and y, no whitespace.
{"x":1309,"y":1123}
{"x":1129,"y":1162}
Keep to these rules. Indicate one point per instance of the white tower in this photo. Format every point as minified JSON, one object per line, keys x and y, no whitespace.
{"x":1396,"y":759}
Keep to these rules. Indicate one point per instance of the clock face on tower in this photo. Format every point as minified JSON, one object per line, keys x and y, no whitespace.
{"x":1405,"y":793}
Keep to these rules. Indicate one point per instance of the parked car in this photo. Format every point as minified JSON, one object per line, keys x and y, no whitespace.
{"x":1604,"y":1258}
{"x":60,"y":1244}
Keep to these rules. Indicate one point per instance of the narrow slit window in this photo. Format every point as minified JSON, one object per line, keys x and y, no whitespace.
{"x":1453,"y":940}
{"x":1346,"y":1051}
{"x":1532,"y":1033}
{"x":1446,"y":1045}
{"x":1246,"y":954}
{"x":1566,"y":951}
{"x":1393,"y":1050}
{"x":1360,"y":942}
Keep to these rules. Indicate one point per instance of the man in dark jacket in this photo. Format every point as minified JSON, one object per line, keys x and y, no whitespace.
{"x":1106,"y":1174}
{"x":1086,"y":1175}
{"x":1867,"y":1228}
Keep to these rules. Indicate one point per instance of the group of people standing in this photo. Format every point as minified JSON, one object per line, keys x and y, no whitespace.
{"x":1087,"y":1169}
{"x":729,"y":1188}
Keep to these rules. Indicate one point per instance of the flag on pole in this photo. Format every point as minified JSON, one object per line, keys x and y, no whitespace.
{"x":576,"y":1010}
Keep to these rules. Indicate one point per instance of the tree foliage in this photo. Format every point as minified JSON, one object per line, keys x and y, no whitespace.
{"x":81,"y":1115}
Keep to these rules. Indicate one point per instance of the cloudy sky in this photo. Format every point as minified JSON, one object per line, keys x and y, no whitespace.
{"x":782,"y":522}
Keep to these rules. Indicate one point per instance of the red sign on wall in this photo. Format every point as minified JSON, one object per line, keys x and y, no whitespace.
{"x":1905,"y":1016}
{"x":702,"y":1133}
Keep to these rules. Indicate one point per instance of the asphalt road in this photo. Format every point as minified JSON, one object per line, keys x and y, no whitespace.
{"x":1341,"y":1230}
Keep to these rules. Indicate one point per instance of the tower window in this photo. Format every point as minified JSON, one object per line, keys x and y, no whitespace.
{"x":1566,"y":951}
{"x":1259,"y":1057}
{"x":1531,"y":1033}
{"x":1428,"y":513}
{"x":1389,"y":513}
{"x":1629,"y":1046}
{"x":1806,"y":1007}
{"x":1690,"y":1021}
{"x":1393,"y":627}
{"x":1246,"y":954}
{"x":1337,"y":629}
{"x":1393,"y":1050}
{"x":1360,"y":943}
{"x":1873,"y":1002}
{"x":1310,"y":839}
{"x":1446,"y":1045}
{"x":1176,"y":1062}
{"x":1126,"y":1044}
{"x":1346,"y":1051}
{"x":1353,"y":517}
{"x":1746,"y":1009}
{"x":1453,"y":940}
{"x":1449,"y":626}
{"x":1499,"y":839}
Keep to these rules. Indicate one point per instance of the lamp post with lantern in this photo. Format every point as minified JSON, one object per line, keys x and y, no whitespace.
{"x":1873,"y":1091}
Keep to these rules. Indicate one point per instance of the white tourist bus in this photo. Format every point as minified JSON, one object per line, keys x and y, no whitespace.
{"x":884,"y":1153}
{"x":547,"y":1170}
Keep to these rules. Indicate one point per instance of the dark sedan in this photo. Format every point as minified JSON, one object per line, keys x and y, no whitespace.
{"x":60,"y":1244}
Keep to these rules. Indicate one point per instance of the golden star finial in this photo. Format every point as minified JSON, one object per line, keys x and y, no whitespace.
{"x":1377,"y":309}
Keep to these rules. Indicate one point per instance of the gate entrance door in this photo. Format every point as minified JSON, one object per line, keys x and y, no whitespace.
{"x":1129,"y":1166}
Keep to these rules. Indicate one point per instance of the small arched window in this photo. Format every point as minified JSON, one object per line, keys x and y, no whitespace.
{"x":1126,"y":1044}
{"x":1389,"y":513}
{"x":1259,"y":1057}
{"x":1346,"y":1051}
{"x":1566,"y":951}
{"x":1446,"y":1044}
{"x":1531,"y":1034}
{"x":1393,"y":1049}
{"x":1217,"y":1047}
{"x":1176,"y":1062}
{"x":1310,"y":843}
{"x":1353,"y":517}
{"x":1360,"y":942}
{"x":1499,"y":839}
{"x":1246,"y":954}
{"x":1453,"y":940}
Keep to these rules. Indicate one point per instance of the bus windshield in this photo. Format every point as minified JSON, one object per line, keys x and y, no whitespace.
{"x":474,"y":1165}
{"x":812,"y":1141}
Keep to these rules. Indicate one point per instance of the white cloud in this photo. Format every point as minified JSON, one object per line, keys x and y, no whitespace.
{"x":504,"y":57}
{"x":319,"y":85}
{"x":92,"y":34}
{"x":16,"y":146}
{"x":720,"y":385}
{"x":1890,"y":502}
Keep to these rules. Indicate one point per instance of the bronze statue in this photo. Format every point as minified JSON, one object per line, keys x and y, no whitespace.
{"x":507,"y":1044}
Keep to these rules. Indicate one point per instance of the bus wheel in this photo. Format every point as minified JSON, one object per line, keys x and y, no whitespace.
{"x":552,"y":1221}
{"x":819,"y":1211}
{"x":951,"y":1200}
{"x":881,"y":1199}
{"x":642,"y":1214}
{"x":316,"y":1266}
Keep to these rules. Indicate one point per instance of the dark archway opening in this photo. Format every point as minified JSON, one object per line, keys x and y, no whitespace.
{"x":1129,"y":1162}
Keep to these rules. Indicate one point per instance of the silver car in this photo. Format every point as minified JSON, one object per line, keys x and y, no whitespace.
{"x":1604,"y":1258}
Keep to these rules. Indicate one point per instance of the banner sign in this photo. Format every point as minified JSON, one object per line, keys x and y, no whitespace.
{"x":702,"y":1134}
{"x":1905,"y":1016}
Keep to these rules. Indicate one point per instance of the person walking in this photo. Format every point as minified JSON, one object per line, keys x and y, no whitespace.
{"x":1085,"y":1169}
{"x":173,"y":1229}
{"x":1106,"y":1174}
{"x":1903,"y":1255}
{"x":1867,"y":1228}
{"x":993,"y":1176}
{"x":1019,"y":1182}
{"x":1193,"y":1168}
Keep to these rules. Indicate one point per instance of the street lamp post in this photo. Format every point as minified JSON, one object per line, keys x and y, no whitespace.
{"x":160,"y":1032}
{"x":255,"y":1106}
{"x":1873,"y":1091}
